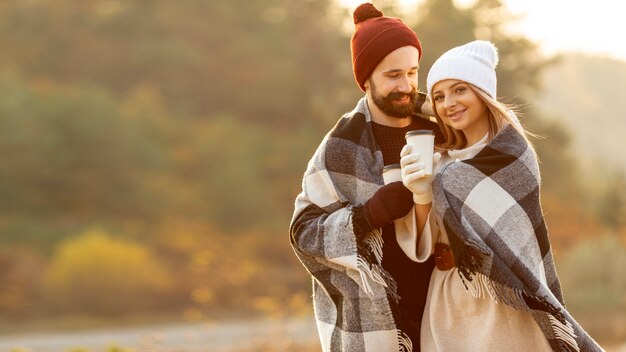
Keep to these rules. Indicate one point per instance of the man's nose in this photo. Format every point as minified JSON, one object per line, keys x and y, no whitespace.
{"x":405,"y":85}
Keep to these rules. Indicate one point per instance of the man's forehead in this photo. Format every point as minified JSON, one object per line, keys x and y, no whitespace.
{"x":402,"y":59}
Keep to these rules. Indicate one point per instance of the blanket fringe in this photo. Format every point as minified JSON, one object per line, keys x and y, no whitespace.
{"x":404,"y":342}
{"x":367,"y":272}
{"x":565,"y":333}
{"x":481,"y":286}
{"x":374,"y":271}
{"x":375,"y":241}
{"x":392,"y":286}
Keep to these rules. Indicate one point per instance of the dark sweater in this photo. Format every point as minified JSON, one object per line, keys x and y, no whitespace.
{"x":412,"y":278}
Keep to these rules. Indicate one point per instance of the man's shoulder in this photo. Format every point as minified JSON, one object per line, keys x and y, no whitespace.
{"x":350,"y":127}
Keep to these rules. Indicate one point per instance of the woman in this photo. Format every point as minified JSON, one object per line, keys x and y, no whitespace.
{"x":495,"y":287}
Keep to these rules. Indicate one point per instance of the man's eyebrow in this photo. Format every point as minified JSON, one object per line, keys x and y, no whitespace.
{"x":394,"y":70}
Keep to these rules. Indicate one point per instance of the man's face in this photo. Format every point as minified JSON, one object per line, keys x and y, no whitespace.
{"x":393,"y":84}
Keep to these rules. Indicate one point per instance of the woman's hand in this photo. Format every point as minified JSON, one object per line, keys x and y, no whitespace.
{"x":414,"y":176}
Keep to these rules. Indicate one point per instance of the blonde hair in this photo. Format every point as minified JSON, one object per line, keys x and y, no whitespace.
{"x":498,"y":115}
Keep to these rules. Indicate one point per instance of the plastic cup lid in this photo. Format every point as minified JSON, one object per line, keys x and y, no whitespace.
{"x":391,"y":167}
{"x":419,"y":132}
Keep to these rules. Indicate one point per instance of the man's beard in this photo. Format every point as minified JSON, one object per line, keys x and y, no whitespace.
{"x":388,"y":107}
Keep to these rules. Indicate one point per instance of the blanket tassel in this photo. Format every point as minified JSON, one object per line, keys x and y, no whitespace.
{"x":482,"y":286}
{"x":565,"y":333}
{"x":369,"y":272}
{"x":375,"y":241}
{"x":404,"y":342}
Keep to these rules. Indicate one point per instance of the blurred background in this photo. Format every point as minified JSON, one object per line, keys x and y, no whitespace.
{"x":151,"y":151}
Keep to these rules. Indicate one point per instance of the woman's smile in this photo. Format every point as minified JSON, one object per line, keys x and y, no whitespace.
{"x":456,"y":115}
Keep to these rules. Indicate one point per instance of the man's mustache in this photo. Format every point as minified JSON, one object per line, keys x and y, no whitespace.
{"x":399,"y":95}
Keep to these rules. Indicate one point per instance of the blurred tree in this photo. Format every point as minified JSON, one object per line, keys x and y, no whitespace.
{"x":276,"y":61}
{"x":20,"y":276}
{"x":230,"y":173}
{"x":69,"y":151}
{"x":592,"y":288}
{"x":215,"y":271}
{"x":285,"y":63}
{"x":613,"y":203}
{"x":97,"y":273}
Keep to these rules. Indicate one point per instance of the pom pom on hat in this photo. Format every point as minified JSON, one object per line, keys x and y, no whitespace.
{"x":365,"y":11}
{"x":375,"y":36}
{"x":474,"y":62}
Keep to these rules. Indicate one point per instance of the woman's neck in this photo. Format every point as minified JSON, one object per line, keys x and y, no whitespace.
{"x":476,"y":132}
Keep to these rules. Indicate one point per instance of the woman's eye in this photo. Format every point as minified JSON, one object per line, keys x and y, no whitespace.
{"x":438,"y":97}
{"x":460,"y":89}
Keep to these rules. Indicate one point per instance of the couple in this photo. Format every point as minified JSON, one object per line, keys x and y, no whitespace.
{"x":491,"y":284}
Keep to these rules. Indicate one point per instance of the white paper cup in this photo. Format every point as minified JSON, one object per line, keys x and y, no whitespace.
{"x":422,"y":142}
{"x":392,"y":173}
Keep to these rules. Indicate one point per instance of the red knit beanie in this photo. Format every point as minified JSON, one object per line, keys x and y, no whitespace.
{"x":374,"y":38}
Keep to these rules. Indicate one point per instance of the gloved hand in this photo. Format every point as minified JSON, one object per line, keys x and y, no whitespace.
{"x":389,"y":203}
{"x":414,"y":175}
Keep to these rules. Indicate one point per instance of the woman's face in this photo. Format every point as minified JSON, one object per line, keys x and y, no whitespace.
{"x":460,"y":108}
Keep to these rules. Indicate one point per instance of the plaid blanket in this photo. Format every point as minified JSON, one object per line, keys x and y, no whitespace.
{"x":490,"y":206}
{"x":354,"y":299}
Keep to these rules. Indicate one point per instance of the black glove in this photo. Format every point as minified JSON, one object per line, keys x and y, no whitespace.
{"x":389,"y":203}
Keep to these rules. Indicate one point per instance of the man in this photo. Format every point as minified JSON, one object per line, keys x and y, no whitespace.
{"x":367,"y":294}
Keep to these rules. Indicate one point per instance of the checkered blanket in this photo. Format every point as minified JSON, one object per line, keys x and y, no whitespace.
{"x":490,"y":206}
{"x":354,"y":298}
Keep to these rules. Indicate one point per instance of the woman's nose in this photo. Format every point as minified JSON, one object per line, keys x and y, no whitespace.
{"x":449,"y":102}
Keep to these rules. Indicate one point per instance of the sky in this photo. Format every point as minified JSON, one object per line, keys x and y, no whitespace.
{"x":597,"y":27}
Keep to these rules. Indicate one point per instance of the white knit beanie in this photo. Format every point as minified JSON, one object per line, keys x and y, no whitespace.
{"x":474,"y":62}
